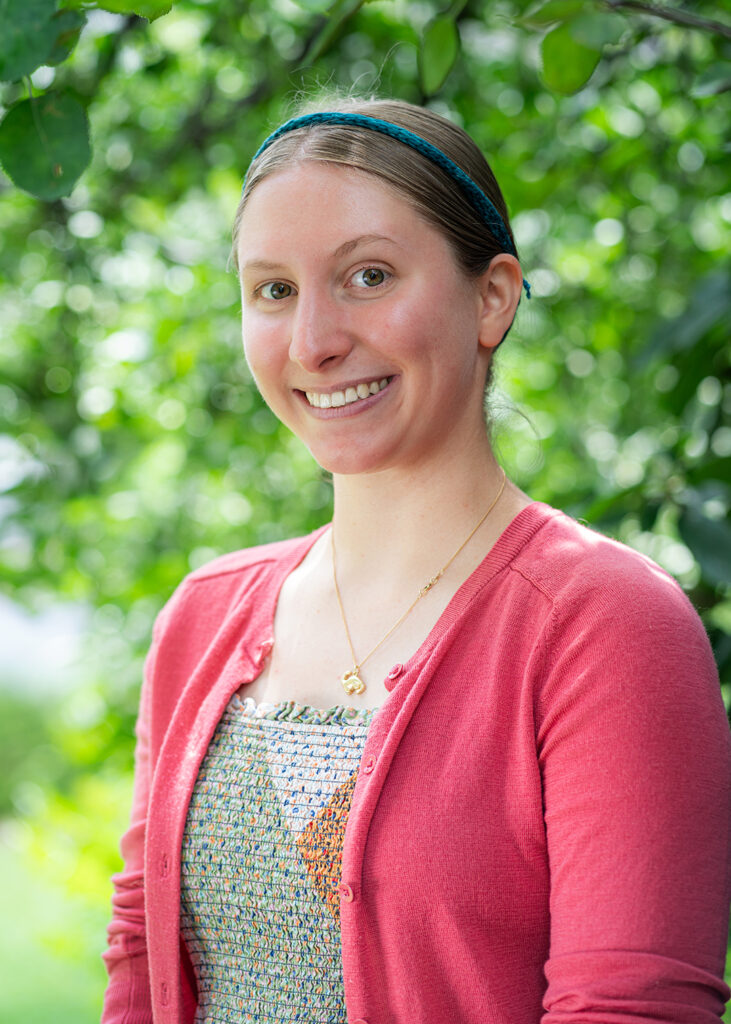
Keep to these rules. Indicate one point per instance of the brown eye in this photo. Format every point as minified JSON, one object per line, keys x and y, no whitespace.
{"x":276,"y":290}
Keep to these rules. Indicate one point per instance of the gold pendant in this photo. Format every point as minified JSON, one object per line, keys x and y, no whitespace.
{"x":352,"y":682}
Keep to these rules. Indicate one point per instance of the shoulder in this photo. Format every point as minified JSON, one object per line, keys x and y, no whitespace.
{"x":576,"y":567}
{"x":249,"y":560}
{"x":604,"y":601}
{"x":250,"y":576}
{"x":611,"y":611}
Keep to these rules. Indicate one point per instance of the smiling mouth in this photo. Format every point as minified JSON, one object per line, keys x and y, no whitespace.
{"x":336,"y":399}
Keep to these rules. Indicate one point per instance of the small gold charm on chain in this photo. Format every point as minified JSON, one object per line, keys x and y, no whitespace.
{"x":430,"y":584}
{"x":352,"y":681}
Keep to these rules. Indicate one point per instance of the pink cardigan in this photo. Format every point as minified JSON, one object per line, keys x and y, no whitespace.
{"x":540,"y":827}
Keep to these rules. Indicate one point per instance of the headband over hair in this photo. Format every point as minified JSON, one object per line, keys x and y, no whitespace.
{"x":472,"y":191}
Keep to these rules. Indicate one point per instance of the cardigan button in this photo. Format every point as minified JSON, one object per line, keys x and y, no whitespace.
{"x":346,"y":893}
{"x":393,"y":675}
{"x":164,"y":865}
{"x":164,"y":994}
{"x":264,"y":649}
{"x":369,"y":764}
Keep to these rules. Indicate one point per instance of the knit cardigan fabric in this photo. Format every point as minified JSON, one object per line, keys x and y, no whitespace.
{"x":539,"y":832}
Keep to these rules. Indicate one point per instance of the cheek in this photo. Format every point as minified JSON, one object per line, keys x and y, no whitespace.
{"x":262,"y":349}
{"x":409,"y":332}
{"x":268,"y":374}
{"x":434,"y":313}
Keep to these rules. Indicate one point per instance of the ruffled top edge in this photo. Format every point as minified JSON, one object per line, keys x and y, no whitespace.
{"x":292,"y":711}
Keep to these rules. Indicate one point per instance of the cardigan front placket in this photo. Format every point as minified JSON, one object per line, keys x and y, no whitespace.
{"x":172,"y":787}
{"x":235,"y":656}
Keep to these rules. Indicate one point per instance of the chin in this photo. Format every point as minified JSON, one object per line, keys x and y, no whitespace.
{"x":349,"y":462}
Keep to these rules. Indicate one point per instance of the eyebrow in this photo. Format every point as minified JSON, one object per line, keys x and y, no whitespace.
{"x":342,"y":250}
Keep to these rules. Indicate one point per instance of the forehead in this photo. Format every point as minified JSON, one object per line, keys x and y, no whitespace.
{"x":320,"y":203}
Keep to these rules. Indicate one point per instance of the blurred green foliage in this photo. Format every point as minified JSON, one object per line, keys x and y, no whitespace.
{"x":133,"y":443}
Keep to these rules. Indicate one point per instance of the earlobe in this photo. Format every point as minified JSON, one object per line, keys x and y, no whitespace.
{"x":500,"y":290}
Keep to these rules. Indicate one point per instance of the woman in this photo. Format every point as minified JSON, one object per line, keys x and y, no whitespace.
{"x":454,"y":758}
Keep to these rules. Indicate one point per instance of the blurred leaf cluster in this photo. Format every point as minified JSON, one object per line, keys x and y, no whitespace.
{"x":133,"y":443}
{"x":44,"y":141}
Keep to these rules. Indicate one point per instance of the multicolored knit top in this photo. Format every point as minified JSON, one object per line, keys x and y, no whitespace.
{"x":261,"y":862}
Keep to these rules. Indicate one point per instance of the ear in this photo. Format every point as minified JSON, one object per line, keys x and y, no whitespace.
{"x":500,"y":289}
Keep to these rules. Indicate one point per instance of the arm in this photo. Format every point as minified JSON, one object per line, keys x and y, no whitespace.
{"x":213,"y":605}
{"x":635,"y":757}
{"x":127,"y":999}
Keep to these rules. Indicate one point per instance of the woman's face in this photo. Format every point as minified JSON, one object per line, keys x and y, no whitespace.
{"x":363,"y":335}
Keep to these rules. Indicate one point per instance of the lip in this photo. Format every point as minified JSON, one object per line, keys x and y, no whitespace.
{"x":345,"y":384}
{"x":355,"y":408}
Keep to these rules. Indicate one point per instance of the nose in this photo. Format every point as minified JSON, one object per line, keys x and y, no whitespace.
{"x":319,"y":335}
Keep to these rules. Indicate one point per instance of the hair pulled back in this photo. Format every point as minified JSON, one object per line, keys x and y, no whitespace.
{"x":430,"y":191}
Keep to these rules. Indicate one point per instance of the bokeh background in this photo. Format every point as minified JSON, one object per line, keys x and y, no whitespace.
{"x":134,"y":446}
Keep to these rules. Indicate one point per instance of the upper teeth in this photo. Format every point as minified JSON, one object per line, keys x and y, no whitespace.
{"x":333,"y":399}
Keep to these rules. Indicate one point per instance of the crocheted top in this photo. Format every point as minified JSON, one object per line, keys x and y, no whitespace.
{"x":261,"y":857}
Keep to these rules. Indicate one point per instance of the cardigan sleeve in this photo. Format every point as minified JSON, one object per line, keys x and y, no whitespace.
{"x":635,"y":756}
{"x":127,"y":999}
{"x":183,"y":632}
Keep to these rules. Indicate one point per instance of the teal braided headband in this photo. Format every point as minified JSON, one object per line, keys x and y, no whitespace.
{"x":477,"y":198}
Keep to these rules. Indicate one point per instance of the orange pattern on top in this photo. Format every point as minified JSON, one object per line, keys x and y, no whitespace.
{"x":321,"y":845}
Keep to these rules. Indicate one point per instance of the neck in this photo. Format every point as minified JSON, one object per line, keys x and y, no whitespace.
{"x":399,"y":528}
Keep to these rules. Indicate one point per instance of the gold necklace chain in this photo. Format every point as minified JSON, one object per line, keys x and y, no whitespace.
{"x":351,"y":679}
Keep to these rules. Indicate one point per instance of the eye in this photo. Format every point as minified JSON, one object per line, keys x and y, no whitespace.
{"x":275,"y":290}
{"x":370,"y":277}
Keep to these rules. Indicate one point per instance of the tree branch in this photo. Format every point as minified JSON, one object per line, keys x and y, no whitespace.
{"x":672,"y":14}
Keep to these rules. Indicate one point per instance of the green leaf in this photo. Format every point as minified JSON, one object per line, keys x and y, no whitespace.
{"x":713,"y":469}
{"x":338,"y":14}
{"x":314,"y":6}
{"x":710,"y":542}
{"x":720,"y":617}
{"x":709,"y":304}
{"x":438,"y":52}
{"x":27,"y":37}
{"x":554,"y":10}
{"x":598,"y":29}
{"x":44,"y":144}
{"x":612,"y":508}
{"x":649,"y":513}
{"x":714,"y":80}
{"x":149,"y":9}
{"x":567,"y":65}
{"x":68,"y":28}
